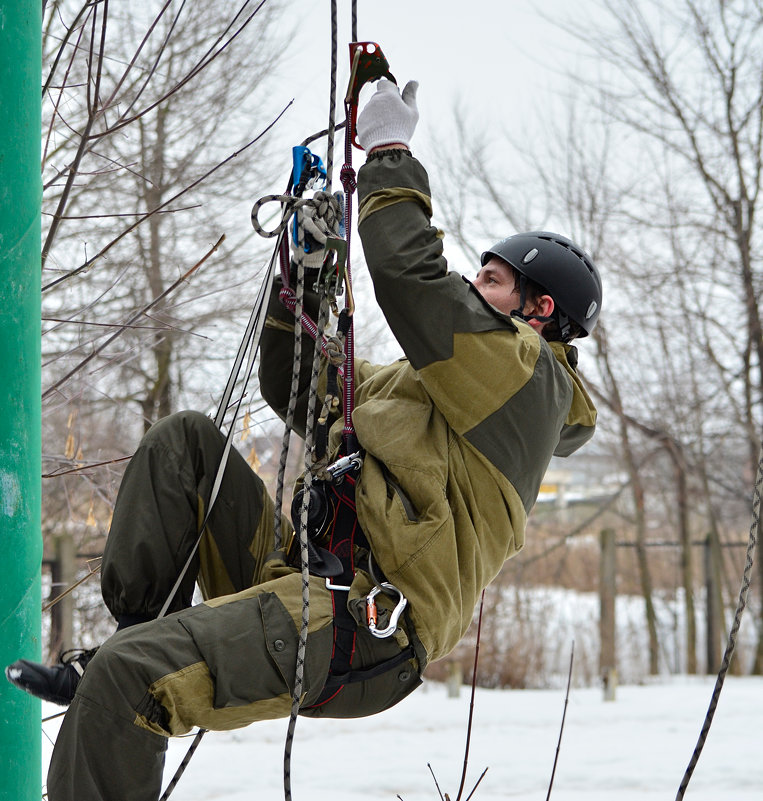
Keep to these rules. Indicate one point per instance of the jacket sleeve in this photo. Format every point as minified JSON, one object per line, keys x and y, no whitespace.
{"x":277,"y":359}
{"x":470,"y":357}
{"x":423,"y":303}
{"x":494,"y":379}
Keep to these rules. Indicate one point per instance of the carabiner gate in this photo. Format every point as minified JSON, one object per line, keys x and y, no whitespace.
{"x":385,"y":586}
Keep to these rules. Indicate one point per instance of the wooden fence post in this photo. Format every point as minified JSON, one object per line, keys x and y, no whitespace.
{"x":712,"y":609}
{"x":607,"y":590}
{"x":455,"y":679}
{"x":63,"y":571}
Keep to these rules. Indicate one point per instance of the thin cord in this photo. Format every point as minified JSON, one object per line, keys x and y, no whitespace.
{"x":731,"y":645}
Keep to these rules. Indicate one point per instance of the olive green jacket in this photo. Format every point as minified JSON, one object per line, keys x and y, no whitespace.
{"x":457,"y":436}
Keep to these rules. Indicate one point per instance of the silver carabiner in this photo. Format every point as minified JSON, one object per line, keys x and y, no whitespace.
{"x":394,"y":616}
{"x":340,"y":467}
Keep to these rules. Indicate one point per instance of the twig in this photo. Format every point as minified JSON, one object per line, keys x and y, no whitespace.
{"x":471,"y":700}
{"x":50,"y":390}
{"x":46,"y":88}
{"x":561,"y":728}
{"x":482,"y":776}
{"x":89,"y":263}
{"x":82,"y":467}
{"x":92,"y":107}
{"x":69,"y":31}
{"x":71,"y":589}
{"x":205,"y":60}
{"x":435,"y":781}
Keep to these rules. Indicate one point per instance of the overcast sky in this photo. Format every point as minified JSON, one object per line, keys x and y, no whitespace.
{"x":499,"y":58}
{"x":503,"y":61}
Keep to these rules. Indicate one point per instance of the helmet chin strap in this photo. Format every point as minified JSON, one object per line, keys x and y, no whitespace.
{"x":558,"y":315}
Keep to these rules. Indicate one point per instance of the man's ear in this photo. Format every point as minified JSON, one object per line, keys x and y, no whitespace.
{"x":544,"y":306}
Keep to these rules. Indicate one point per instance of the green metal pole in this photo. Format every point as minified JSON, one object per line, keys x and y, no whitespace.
{"x":20,"y":538}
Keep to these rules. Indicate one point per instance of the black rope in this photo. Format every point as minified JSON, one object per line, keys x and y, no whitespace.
{"x":332,"y":99}
{"x":304,"y":558}
{"x":183,"y":765}
{"x":294,"y":389}
{"x":731,"y":645}
{"x":250,"y":343}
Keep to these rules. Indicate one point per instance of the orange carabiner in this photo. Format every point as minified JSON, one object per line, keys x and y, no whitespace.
{"x":367,"y":64}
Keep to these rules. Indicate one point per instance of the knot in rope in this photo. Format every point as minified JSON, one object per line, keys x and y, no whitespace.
{"x":334,"y":350}
{"x":327,"y":215}
{"x":347,"y":177}
{"x":288,"y":202}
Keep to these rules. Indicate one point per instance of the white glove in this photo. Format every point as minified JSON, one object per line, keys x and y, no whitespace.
{"x":388,"y":117}
{"x":319,"y":219}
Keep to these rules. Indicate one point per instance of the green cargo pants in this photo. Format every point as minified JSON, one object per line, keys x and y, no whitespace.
{"x":219,"y":665}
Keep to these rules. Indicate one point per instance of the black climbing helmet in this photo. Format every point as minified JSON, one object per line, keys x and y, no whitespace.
{"x":563,"y":269}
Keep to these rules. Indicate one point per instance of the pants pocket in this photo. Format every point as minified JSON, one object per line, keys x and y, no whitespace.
{"x":250,"y":647}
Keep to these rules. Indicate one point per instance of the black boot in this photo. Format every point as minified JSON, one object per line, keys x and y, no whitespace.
{"x":55,"y":684}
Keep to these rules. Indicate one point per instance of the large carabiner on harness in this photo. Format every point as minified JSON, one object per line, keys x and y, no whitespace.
{"x":371,"y":617}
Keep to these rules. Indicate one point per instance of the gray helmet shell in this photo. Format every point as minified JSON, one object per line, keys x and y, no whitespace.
{"x":563,"y":269}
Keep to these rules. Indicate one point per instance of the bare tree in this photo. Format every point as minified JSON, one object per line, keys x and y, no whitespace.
{"x":156,"y":134}
{"x":685,"y":79}
{"x":655,"y":168}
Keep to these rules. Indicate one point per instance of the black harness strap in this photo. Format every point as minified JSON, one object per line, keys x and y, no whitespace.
{"x":346,"y":533}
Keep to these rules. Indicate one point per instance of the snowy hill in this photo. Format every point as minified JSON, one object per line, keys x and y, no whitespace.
{"x":634,"y":749}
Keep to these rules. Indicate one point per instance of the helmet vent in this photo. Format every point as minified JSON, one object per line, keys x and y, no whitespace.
{"x":591,"y":309}
{"x":530,"y":255}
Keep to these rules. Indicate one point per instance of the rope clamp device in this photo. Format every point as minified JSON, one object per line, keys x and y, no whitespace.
{"x":368,"y":63}
{"x":307,"y":169}
{"x":371,"y":615}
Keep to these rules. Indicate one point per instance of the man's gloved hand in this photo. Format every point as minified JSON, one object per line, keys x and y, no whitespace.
{"x":320,"y":219}
{"x":388,"y":117}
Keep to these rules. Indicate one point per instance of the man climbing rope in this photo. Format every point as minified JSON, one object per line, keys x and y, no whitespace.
{"x":454,"y":439}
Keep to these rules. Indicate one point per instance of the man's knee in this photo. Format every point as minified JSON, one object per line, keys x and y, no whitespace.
{"x":183,"y":425}
{"x":108,"y":678}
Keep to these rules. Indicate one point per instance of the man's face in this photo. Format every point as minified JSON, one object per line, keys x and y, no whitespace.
{"x":495,"y":282}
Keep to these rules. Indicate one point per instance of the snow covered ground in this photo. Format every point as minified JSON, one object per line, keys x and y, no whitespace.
{"x":633,"y":749}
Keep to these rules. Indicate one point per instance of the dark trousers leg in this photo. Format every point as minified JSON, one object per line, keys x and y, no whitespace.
{"x":220,"y":665}
{"x":158,"y":513}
